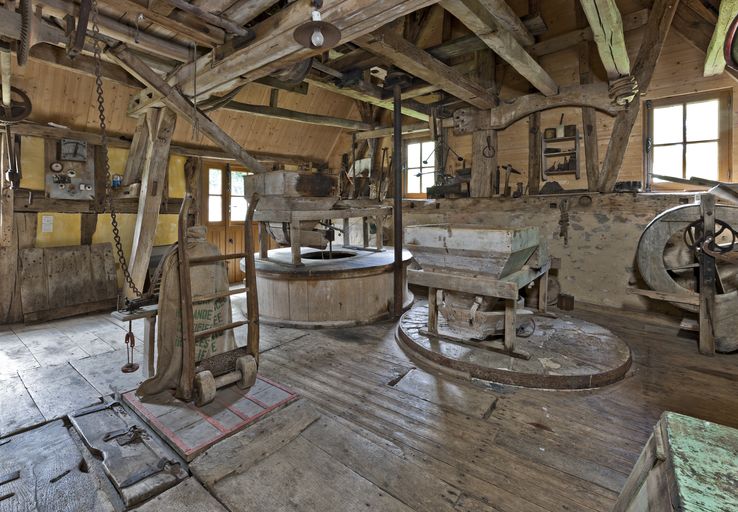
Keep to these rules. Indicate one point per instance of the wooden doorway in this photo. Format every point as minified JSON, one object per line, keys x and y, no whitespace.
{"x":225,"y":211}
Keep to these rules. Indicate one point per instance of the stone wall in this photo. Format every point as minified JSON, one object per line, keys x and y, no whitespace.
{"x":597,"y":259}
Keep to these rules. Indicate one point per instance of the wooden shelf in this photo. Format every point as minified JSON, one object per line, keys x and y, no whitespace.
{"x":560,"y":153}
{"x":573,"y":153}
{"x":562,"y":139}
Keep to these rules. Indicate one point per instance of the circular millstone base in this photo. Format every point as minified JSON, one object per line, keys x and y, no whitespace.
{"x":565,"y":353}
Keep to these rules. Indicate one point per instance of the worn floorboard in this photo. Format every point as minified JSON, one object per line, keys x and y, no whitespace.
{"x":374,"y":431}
{"x":59,"y":390}
{"x":17,"y":408}
{"x":187,"y":496}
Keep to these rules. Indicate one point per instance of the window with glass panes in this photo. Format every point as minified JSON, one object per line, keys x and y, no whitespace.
{"x":226,"y":195}
{"x":421,"y":168}
{"x":239,"y":205}
{"x":690,"y":137}
{"x":215,"y":195}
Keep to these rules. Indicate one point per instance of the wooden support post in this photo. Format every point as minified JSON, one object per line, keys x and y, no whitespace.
{"x":7,"y":197}
{"x":193,"y":186}
{"x":347,"y":231}
{"x":397,"y":160}
{"x":657,"y":28}
{"x":484,"y":142}
{"x":708,"y":273}
{"x":88,"y":228}
{"x":137,"y":153}
{"x":535,"y":164}
{"x":589,"y":114}
{"x":263,"y":241}
{"x":295,"y":242}
{"x":433,"y":310}
{"x":365,"y":231}
{"x":484,"y":163}
{"x":379,"y":223}
{"x":249,"y":280}
{"x":161,"y":123}
{"x":510,"y":334}
{"x":543,"y":293}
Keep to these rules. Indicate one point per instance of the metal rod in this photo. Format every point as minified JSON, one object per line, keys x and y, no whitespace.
{"x":219,"y":295}
{"x":220,"y":328}
{"x":397,"y":199}
{"x":5,"y":70}
{"x":218,"y":257}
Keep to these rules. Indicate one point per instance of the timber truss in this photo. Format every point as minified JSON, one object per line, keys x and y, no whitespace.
{"x":193,"y":56}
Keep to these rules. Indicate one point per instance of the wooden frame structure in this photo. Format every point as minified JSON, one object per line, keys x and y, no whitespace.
{"x":225,"y":362}
{"x":507,"y":289}
{"x":295,"y":218}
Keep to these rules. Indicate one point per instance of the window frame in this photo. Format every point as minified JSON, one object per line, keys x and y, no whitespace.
{"x":724,"y":140}
{"x":227,"y":169}
{"x":406,"y":173}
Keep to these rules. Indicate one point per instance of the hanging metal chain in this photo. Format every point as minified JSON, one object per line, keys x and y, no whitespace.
{"x":97,"y":53}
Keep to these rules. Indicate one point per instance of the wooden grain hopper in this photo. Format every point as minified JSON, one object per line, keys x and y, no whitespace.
{"x":471,"y":249}
{"x":293,"y":190}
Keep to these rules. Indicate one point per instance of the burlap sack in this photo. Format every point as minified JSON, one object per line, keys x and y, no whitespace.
{"x":206,"y":279}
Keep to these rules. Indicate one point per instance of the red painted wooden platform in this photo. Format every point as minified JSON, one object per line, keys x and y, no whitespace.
{"x":191,"y":430}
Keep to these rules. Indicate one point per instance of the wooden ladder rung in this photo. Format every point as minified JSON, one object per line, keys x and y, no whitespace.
{"x":219,"y":295}
{"x":220,"y":328}
{"x":218,"y":257}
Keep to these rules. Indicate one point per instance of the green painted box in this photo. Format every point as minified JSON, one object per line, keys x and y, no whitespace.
{"x":688,"y":465}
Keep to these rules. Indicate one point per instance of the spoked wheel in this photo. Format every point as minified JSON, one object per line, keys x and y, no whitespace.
{"x":666,"y":255}
{"x":19,"y":109}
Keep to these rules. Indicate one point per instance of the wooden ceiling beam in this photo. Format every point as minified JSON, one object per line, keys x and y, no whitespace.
{"x":202,"y":33}
{"x":458,"y":47}
{"x":715,"y":58}
{"x":57,"y":57}
{"x":555,"y":44}
{"x":475,"y":15}
{"x":243,"y":11}
{"x":117,"y":30}
{"x":175,"y":100}
{"x":696,"y":30}
{"x":370,"y":94}
{"x":298,"y":117}
{"x":274,"y":46}
{"x":410,"y":58}
{"x":507,"y":19}
{"x":607,"y":27}
{"x":223,"y":22}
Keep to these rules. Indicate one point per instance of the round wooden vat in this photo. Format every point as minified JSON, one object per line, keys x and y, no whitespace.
{"x":354,"y":289}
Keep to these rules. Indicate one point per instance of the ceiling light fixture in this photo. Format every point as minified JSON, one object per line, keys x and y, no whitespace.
{"x":317,"y":34}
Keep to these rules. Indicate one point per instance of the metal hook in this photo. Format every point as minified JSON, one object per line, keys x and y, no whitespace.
{"x":139,"y":19}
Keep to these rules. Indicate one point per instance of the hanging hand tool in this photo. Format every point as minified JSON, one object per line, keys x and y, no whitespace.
{"x":509,"y":169}
{"x":130,"y":366}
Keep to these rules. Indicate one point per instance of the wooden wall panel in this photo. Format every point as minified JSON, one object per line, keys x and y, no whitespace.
{"x":679,"y":71}
{"x":68,"y":98}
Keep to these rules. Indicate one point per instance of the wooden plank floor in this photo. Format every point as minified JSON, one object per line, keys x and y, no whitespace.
{"x":428,"y":442}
